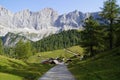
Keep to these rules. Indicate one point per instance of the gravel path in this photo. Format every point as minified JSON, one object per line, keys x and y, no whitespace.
{"x":59,"y":72}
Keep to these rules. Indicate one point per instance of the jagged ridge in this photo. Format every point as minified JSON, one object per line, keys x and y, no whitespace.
{"x":36,"y":25}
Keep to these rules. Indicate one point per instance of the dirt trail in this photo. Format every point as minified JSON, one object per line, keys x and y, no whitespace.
{"x":59,"y":72}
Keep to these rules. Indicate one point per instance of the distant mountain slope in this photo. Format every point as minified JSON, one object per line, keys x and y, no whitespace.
{"x":37,"y":25}
{"x":61,"y":40}
{"x":10,"y":39}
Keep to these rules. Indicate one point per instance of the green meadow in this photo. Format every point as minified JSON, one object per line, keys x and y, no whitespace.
{"x":55,"y":54}
{"x":13,"y":69}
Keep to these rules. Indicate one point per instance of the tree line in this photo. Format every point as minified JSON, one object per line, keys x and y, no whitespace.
{"x":62,"y":40}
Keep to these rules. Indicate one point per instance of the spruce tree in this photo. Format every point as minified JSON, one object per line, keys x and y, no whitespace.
{"x":92,"y":36}
{"x":110,"y":12}
{"x":117,"y":33}
{"x":1,"y":47}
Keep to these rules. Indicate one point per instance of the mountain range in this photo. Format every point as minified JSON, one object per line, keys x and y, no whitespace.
{"x":37,"y":25}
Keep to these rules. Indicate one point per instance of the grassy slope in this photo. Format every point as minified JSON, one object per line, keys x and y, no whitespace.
{"x":54,"y":54}
{"x":77,"y":49}
{"x":104,"y":66}
{"x":19,"y":68}
{"x":5,"y":76}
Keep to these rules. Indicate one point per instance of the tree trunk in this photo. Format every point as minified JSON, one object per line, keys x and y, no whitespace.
{"x":111,"y":34}
{"x":91,"y":51}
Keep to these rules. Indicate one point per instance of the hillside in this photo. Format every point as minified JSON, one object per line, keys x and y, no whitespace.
{"x":104,"y":66}
{"x":13,"y":69}
{"x":62,"y":40}
{"x":55,"y":54}
{"x":10,"y":39}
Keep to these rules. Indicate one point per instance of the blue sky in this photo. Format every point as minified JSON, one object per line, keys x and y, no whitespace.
{"x":61,"y":6}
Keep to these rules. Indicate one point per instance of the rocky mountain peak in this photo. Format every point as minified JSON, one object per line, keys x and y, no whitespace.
{"x":48,"y":9}
{"x":4,"y":11}
{"x":36,"y":25}
{"x":26,"y":11}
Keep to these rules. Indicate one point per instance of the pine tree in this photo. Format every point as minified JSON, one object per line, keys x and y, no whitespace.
{"x":117,"y":33}
{"x":92,"y":36}
{"x":1,"y":47}
{"x":110,"y":12}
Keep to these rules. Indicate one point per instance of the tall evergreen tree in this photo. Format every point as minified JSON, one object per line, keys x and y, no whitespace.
{"x":117,"y":33}
{"x":91,"y":36}
{"x":110,"y":12}
{"x":1,"y":47}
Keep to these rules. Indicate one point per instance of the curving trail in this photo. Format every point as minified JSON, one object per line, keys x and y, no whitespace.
{"x":59,"y":72}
